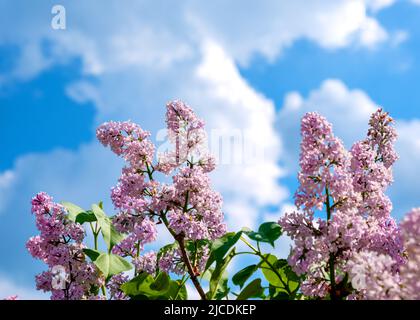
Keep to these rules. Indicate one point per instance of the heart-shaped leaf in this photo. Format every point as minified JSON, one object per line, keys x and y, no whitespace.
{"x":111,"y":264}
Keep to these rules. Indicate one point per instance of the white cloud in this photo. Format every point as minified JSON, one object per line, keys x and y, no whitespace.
{"x":230,"y":104}
{"x":371,"y":33}
{"x":248,"y":27}
{"x":6,"y":180}
{"x":376,"y":5}
{"x":284,"y":208}
{"x":220,"y":96}
{"x":9,"y":288}
{"x":398,"y":37}
{"x":115,"y":36}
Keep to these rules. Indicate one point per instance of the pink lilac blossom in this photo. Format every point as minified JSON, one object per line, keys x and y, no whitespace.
{"x":371,"y":275}
{"x":171,"y":262}
{"x":371,"y":165}
{"x":143,"y":232}
{"x":114,"y":287}
{"x":410,"y":271}
{"x":374,"y":276}
{"x":146,"y":263}
{"x":188,"y":207}
{"x":60,"y":245}
{"x":202,"y":217}
{"x":324,"y":181}
{"x":350,"y":188}
{"x":186,"y":132}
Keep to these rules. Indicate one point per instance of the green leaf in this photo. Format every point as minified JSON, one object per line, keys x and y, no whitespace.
{"x":243,"y":275}
{"x":92,"y":254}
{"x":110,"y":235}
{"x":218,"y":272}
{"x":288,"y":280}
{"x":223,"y":288}
{"x":177,"y":291}
{"x":135,"y":285}
{"x":281,"y":295}
{"x":183,"y":293}
{"x":161,"y":282}
{"x":144,"y":285}
{"x":111,"y":264}
{"x":221,"y":246}
{"x":281,"y":263}
{"x":72,"y":209}
{"x":293,"y":280}
{"x":86,"y":216}
{"x":270,"y":231}
{"x":252,"y":290}
{"x":267,"y":232}
{"x":269,"y":274}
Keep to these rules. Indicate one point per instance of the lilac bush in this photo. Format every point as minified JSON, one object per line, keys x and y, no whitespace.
{"x":342,"y":228}
{"x":346,"y":243}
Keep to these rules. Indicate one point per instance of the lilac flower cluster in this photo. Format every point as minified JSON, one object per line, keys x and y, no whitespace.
{"x":350,"y":187}
{"x":114,"y":287}
{"x":171,"y":260}
{"x":189,"y":207}
{"x":146,"y":263}
{"x":371,"y":275}
{"x":59,"y":245}
{"x":374,"y":276}
{"x":410,"y":271}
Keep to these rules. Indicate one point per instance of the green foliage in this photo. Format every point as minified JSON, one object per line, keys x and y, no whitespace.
{"x":110,"y":235}
{"x":221,"y":246}
{"x":279,"y":275}
{"x":92,"y":254}
{"x":145,"y":286}
{"x":243,"y":275}
{"x":72,"y":209}
{"x":111,"y":264}
{"x":78,"y":214}
{"x":87,"y":216}
{"x":218,"y":274}
{"x":279,"y":282}
{"x":252,"y":290}
{"x":267,"y":232}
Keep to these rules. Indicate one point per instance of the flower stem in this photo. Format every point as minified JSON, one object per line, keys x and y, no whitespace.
{"x":180,"y":239}
{"x":193,"y":276}
{"x":331,"y":261}
{"x":182,"y":282}
{"x":258,"y":253}
{"x":95,"y":232}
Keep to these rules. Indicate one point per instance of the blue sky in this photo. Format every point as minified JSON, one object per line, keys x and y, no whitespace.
{"x":257,"y":72}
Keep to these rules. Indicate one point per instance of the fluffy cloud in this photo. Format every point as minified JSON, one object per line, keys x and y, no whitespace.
{"x":231,"y":109}
{"x":247,"y":27}
{"x":376,"y":5}
{"x":6,"y":181}
{"x":117,"y":35}
{"x":349,"y":111}
{"x":9,"y":288}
